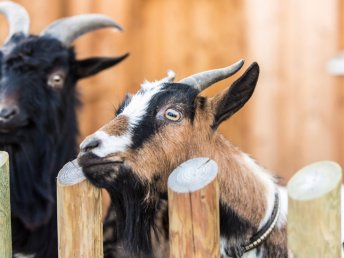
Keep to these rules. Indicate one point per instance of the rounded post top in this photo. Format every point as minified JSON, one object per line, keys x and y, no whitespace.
{"x":3,"y":157}
{"x":314,"y":180}
{"x":71,"y":174}
{"x":192,"y":175}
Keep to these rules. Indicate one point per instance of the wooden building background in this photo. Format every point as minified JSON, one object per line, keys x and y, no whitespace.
{"x":296,"y":115}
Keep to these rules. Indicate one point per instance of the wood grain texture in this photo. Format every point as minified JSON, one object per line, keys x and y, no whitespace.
{"x":5,"y":208}
{"x":79,"y":212}
{"x":193,"y":201}
{"x":296,"y":105}
{"x":314,"y":220}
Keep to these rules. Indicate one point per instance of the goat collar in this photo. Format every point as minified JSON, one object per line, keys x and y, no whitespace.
{"x":258,"y":238}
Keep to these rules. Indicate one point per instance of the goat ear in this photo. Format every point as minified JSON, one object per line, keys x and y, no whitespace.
{"x":91,"y":66}
{"x":234,"y":98}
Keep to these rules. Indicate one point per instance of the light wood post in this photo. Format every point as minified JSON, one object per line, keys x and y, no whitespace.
{"x":79,"y":212}
{"x":314,"y":221}
{"x":193,"y":204}
{"x":5,"y":208}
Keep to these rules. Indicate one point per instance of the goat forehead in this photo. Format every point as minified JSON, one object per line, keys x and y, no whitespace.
{"x":152,"y":96}
{"x":34,"y":52}
{"x":137,"y":107}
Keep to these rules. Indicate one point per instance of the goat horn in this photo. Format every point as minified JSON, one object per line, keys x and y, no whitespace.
{"x":203,"y":80}
{"x":17,"y":16}
{"x":68,"y":29}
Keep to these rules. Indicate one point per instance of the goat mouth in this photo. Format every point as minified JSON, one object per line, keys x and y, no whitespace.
{"x":103,"y":164}
{"x":11,"y":128}
{"x":92,"y":161}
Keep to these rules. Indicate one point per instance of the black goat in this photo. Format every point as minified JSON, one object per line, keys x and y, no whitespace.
{"x":38,"y":123}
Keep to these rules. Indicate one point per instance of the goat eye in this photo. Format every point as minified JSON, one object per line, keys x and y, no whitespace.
{"x":173,"y":115}
{"x":56,"y":81}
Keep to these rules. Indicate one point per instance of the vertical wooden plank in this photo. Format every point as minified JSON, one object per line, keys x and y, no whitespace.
{"x":79,"y":213}
{"x":263,"y":47}
{"x":42,"y":12}
{"x":341,"y":23}
{"x":314,"y":220}
{"x":5,"y":208}
{"x":193,"y":201}
{"x":294,"y":107}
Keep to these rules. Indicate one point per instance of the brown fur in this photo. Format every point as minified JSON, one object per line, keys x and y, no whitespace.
{"x":173,"y":145}
{"x":117,"y":126}
{"x":242,"y":189}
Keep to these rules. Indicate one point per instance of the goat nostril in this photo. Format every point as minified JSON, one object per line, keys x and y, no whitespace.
{"x":8,"y":112}
{"x":90,"y":145}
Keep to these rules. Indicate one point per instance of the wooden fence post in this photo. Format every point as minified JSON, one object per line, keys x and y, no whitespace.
{"x":314,"y":221}
{"x":5,"y":208}
{"x":79,"y":213}
{"x":193,"y":204}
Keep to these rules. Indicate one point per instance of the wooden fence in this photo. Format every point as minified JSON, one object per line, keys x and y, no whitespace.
{"x":314,"y":215}
{"x":5,"y":208}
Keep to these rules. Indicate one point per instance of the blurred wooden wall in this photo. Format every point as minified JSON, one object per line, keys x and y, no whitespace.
{"x":295,"y":115}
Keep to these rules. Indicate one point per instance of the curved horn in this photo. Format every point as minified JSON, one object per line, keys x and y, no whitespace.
{"x":203,"y":80}
{"x":68,"y":29}
{"x":17,"y":16}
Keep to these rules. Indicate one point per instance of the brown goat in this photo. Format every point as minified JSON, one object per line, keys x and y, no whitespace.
{"x":161,"y":126}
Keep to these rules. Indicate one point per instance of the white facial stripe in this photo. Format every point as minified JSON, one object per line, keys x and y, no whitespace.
{"x":138,"y":105}
{"x":111,"y":144}
{"x":134,"y":111}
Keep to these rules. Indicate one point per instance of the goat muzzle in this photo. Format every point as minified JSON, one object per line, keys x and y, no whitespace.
{"x":11,"y":118}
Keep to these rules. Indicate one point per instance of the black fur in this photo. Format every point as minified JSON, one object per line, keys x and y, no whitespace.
{"x":183,"y":99}
{"x":124,"y":103}
{"x":45,"y":141}
{"x":133,"y":218}
{"x":237,"y":95}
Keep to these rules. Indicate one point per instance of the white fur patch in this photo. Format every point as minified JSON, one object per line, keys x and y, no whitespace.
{"x":109,"y":143}
{"x":282,"y":219}
{"x":249,"y":254}
{"x":267,"y":180}
{"x":138,"y":105}
{"x":19,"y":255}
{"x":253,"y":254}
{"x":134,"y":111}
{"x":222,"y":247}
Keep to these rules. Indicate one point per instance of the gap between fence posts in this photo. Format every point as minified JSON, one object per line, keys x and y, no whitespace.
{"x":193,"y":206}
{"x":314,"y":216}
{"x":79,"y":213}
{"x":5,"y":207}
